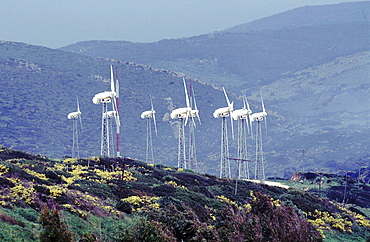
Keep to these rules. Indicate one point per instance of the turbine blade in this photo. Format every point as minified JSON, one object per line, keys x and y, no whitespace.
{"x":265,"y":119}
{"x":232,"y":126}
{"x":154,"y":120}
{"x":187,"y":117}
{"x":227,"y":98}
{"x":247,"y":121}
{"x":263,"y":105}
{"x":246,"y":101}
{"x":195,"y":106}
{"x":186,"y":94}
{"x":151,"y":102}
{"x":250,"y":124}
{"x":117,"y":83}
{"x":111,"y":79}
{"x":78,"y":104}
{"x":82,"y":129}
{"x":155,"y":125}
{"x":192,"y":119}
{"x":198,"y":118}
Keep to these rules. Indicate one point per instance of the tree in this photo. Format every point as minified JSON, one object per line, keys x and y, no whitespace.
{"x":53,"y":227}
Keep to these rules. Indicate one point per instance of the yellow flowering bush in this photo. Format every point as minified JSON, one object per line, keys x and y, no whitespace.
{"x":226,"y":200}
{"x":21,"y":192}
{"x":174,"y":184}
{"x":36,"y":174}
{"x":143,"y":202}
{"x":56,"y":191}
{"x":3,"y":169}
{"x":324,"y":219}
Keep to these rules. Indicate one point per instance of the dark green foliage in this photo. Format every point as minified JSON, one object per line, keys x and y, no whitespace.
{"x":139,"y":229}
{"x":278,"y":222}
{"x":54,"y":228}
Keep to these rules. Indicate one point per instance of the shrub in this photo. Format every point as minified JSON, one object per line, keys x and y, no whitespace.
{"x":53,"y":227}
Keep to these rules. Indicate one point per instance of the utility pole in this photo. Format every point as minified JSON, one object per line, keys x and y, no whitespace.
{"x":303,"y":152}
{"x":240,"y":162}
{"x":345,"y":188}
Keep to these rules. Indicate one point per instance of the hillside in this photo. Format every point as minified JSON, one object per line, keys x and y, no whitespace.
{"x":96,"y":199}
{"x":313,"y":76}
{"x":40,"y":87}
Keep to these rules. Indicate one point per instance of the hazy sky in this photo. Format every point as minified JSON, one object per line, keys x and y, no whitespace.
{"x":57,"y":23}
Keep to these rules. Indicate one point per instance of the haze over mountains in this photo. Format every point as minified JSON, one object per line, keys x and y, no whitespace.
{"x":312,"y":65}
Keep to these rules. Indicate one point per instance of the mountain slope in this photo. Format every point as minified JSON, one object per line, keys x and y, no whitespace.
{"x":245,"y":60}
{"x":342,"y":13}
{"x":40,"y":87}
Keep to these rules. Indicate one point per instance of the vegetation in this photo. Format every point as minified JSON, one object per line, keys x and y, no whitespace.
{"x":120,"y":199}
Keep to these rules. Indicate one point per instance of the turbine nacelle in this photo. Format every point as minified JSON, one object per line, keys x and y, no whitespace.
{"x":222,"y":112}
{"x":74,"y":115}
{"x":147,"y":114}
{"x":180,"y":113}
{"x":258,"y":116}
{"x":240,"y":114}
{"x":104,"y":97}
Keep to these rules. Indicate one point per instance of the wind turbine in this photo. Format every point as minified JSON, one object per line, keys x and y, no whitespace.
{"x":183,"y":114}
{"x":150,"y":114}
{"x":74,"y":116}
{"x":104,"y":98}
{"x":241,"y":115}
{"x":259,"y":166}
{"x":194,"y":113}
{"x":224,"y":113}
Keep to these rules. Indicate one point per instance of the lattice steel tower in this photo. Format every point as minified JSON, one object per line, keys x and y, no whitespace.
{"x":259,"y":166}
{"x":181,"y":156}
{"x":225,"y":170}
{"x":150,"y":114}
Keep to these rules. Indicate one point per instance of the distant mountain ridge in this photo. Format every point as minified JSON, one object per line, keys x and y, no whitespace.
{"x":342,"y":13}
{"x":246,"y":60}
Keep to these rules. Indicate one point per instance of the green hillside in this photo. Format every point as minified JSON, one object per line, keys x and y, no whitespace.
{"x":98,"y":199}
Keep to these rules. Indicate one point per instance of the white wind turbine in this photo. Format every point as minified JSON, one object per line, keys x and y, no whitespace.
{"x":258,"y":118}
{"x":194,"y":113}
{"x":241,"y":115}
{"x":104,"y":98}
{"x":183,"y":115}
{"x":150,"y":114}
{"x":224,"y":113}
{"x":74,"y":116}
